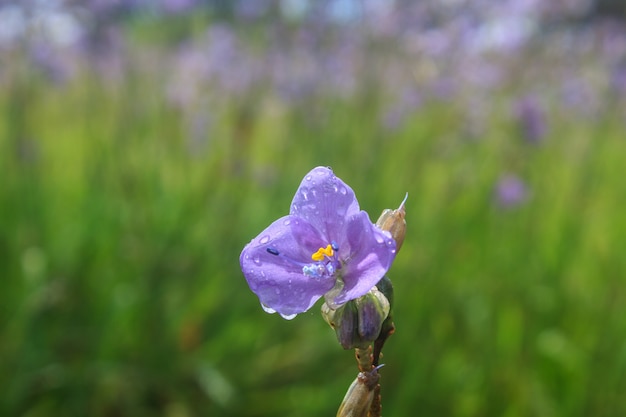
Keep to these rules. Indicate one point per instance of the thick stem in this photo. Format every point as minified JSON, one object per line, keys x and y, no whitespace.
{"x":364,"y":358}
{"x":376,"y":407}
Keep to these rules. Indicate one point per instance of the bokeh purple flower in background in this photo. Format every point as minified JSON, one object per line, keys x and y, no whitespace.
{"x":510,"y":191}
{"x":326,"y":246}
{"x":177,"y":6}
{"x":532,"y":119}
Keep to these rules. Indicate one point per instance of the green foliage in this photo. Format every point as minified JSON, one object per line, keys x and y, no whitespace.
{"x":121,"y":293}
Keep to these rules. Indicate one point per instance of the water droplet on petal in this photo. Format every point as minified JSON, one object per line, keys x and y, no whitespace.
{"x":264,"y":239}
{"x":308,"y":177}
{"x":287,"y":222}
{"x":288,"y":316}
{"x":257,"y":260}
{"x":379,"y":239}
{"x":343,"y":190}
{"x":268,"y":309}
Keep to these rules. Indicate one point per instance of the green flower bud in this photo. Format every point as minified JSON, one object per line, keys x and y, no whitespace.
{"x":358,"y":322}
{"x":393,"y":222}
{"x":344,"y":320}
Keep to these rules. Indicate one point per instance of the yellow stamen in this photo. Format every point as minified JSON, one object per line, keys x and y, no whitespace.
{"x":322,"y":252}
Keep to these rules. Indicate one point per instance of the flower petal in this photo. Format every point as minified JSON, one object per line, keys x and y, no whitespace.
{"x":325,"y":201}
{"x":276,"y":276}
{"x":371,"y":253}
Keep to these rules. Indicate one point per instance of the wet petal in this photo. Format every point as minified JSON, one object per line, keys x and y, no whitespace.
{"x":371,"y":253}
{"x":326,"y":202}
{"x":276,"y":276}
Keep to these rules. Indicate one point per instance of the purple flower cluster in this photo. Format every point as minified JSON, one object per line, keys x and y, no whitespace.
{"x":386,"y":48}
{"x":326,"y":246}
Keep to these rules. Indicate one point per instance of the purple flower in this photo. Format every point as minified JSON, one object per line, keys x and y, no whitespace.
{"x":510,"y":191}
{"x":532,"y":119}
{"x":326,"y":246}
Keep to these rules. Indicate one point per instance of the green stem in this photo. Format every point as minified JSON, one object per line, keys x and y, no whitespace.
{"x":364,"y":358}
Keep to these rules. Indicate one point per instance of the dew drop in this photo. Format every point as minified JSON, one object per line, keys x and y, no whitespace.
{"x":288,"y":316}
{"x":343,"y":190}
{"x":268,"y":309}
{"x":264,"y":239}
{"x":380,"y":239}
{"x":287,"y":222}
{"x":257,"y":260}
{"x":308,"y":177}
{"x":251,"y":271}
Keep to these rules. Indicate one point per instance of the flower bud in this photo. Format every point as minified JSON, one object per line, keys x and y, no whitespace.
{"x":373,"y":309}
{"x":344,"y":320}
{"x":393,"y":222}
{"x":358,"y":322}
{"x":388,"y":327}
{"x":385,"y":287}
{"x":358,"y":399}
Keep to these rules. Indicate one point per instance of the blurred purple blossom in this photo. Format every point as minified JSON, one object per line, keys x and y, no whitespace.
{"x":326,"y":247}
{"x":401,"y":109}
{"x":188,"y":70}
{"x":531,"y":118}
{"x":618,"y":80}
{"x":54,"y":63}
{"x":579,"y":95}
{"x":250,"y":10}
{"x":178,"y":6}
{"x":510,"y":191}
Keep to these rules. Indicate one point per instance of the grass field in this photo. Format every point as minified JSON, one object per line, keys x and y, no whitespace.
{"x":131,"y":180}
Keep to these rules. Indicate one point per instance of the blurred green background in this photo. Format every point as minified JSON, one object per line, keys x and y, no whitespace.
{"x":143,"y":144}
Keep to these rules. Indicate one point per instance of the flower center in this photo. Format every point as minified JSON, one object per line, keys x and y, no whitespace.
{"x":326,"y":262}
{"x":325,"y":265}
